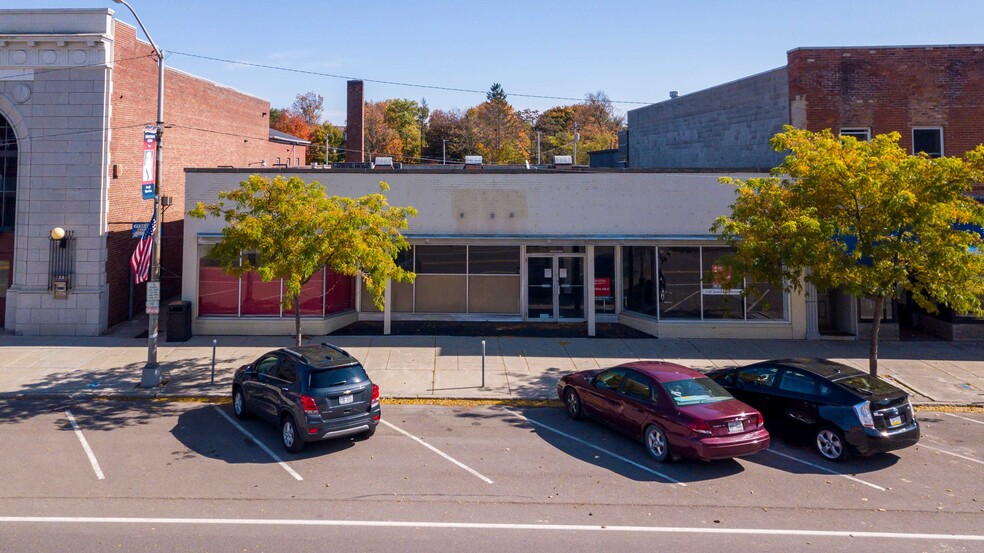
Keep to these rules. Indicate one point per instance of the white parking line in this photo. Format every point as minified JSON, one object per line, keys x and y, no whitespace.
{"x":435,"y":450}
{"x":592,"y":446}
{"x":964,"y":418}
{"x":971,"y":459}
{"x":268,"y":451}
{"x":498,"y":526}
{"x":825,"y":469}
{"x":85,"y":446}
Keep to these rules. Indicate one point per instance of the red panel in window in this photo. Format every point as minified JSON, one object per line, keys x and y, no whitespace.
{"x":339,"y":293}
{"x":218,"y":293}
{"x":260,"y":298}
{"x":312,"y":295}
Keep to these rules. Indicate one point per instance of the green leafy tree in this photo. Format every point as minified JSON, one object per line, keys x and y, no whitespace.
{"x":327,"y":144}
{"x":403,"y":116}
{"x":295,"y":229}
{"x":864,"y":217}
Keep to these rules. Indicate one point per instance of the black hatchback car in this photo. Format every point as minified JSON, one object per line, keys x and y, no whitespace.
{"x":841,"y":409}
{"x":311,"y":392}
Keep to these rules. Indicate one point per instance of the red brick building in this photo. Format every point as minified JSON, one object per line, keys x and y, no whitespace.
{"x":933,"y":96}
{"x":74,"y":108}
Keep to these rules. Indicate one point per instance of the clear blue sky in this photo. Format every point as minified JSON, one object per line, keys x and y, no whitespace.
{"x":632,"y":50}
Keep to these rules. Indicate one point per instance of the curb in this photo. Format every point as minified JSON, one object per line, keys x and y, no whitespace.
{"x":223,"y":399}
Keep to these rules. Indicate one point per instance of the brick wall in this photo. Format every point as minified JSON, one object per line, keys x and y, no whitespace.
{"x":206,"y":125}
{"x":891,"y":89}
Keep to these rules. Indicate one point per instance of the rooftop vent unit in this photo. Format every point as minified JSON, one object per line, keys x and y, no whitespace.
{"x":473,"y":160}
{"x":563,"y":160}
{"x":384,"y":162}
{"x":674,"y":94}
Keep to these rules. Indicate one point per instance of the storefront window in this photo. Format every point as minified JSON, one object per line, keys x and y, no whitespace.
{"x":604,"y":274}
{"x":679,"y":269}
{"x":441,"y":283}
{"x":720,"y":302}
{"x":640,"y":289}
{"x":493,"y":260}
{"x":218,"y":292}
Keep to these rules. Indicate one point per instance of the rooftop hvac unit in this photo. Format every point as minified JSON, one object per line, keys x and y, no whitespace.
{"x":384,"y":162}
{"x":563,"y":160}
{"x":473,"y":160}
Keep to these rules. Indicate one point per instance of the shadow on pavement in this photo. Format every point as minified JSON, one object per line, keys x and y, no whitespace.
{"x":205,"y":432}
{"x":91,"y":415}
{"x":572,"y":438}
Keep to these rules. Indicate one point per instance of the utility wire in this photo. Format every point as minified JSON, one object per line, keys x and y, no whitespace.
{"x":395,"y":83}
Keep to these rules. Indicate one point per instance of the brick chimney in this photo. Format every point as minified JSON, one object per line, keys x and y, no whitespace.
{"x":355,"y":144}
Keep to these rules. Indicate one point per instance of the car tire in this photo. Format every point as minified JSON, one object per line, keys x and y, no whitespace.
{"x":830,"y":444}
{"x":239,"y":404}
{"x":656,"y":444}
{"x":368,"y":433}
{"x":572,"y":402}
{"x":289,"y":435}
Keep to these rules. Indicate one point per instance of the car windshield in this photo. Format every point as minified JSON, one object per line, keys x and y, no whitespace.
{"x":867,"y":385}
{"x":696,"y":391}
{"x":342,"y":376}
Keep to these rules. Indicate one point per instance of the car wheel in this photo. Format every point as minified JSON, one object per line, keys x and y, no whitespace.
{"x":830,"y":443}
{"x":239,"y":404}
{"x":573,"y":403}
{"x":288,"y":433}
{"x":368,"y":433}
{"x":656,"y":443}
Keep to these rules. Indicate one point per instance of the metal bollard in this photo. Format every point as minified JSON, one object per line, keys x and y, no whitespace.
{"x":483,"y":364}
{"x":214,"y":342}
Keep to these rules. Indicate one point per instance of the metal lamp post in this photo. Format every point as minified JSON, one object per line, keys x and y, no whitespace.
{"x":151,"y":376}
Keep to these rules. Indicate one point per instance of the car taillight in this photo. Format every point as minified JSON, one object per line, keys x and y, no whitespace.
{"x":375,"y":394}
{"x":863,"y":411}
{"x":759,"y":421}
{"x":309,"y":405}
{"x":699,"y":427}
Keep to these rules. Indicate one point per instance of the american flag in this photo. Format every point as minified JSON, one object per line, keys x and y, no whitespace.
{"x":140,"y":260}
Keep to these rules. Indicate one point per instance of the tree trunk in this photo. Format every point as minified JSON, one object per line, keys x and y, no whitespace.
{"x":297,"y":318}
{"x":875,"y":327}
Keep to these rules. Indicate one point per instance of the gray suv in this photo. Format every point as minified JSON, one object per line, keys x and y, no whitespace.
{"x":312,"y":393}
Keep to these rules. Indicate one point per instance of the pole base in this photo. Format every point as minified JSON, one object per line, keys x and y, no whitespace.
{"x":151,"y":376}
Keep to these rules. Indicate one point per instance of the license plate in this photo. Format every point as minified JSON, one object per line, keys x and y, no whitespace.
{"x":342,"y":400}
{"x":735,"y":426}
{"x":895,"y":421}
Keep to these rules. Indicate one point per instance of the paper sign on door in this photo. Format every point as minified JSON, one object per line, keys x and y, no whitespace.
{"x":548,"y":273}
{"x":563,"y":273}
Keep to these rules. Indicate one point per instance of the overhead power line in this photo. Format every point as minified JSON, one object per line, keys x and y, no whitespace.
{"x":395,"y":83}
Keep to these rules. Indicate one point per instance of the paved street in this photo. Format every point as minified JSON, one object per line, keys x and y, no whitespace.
{"x":140,"y":476}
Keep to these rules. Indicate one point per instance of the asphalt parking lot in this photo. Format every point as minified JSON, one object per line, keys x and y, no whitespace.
{"x":473,"y":465}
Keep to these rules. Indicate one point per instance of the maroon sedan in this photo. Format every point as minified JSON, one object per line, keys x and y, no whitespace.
{"x":673,"y":410}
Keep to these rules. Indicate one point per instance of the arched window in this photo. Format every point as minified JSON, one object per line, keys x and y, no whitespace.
{"x":8,"y":175}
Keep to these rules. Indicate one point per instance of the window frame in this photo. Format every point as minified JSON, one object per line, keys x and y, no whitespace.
{"x":912,"y":135}
{"x":855,"y":132}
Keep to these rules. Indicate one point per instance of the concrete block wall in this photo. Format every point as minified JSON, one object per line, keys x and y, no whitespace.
{"x":727,"y":126}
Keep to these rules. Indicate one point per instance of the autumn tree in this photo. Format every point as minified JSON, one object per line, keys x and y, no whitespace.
{"x":301,"y":119}
{"x":309,"y":107}
{"x":864,"y":217}
{"x":295,"y":229}
{"x":327,"y":144}
{"x":403,"y":117}
{"x":445,"y":136}
{"x":497,"y":130}
{"x":380,"y":138}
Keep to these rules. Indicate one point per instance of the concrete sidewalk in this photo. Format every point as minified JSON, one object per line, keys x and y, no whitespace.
{"x":451,"y":366}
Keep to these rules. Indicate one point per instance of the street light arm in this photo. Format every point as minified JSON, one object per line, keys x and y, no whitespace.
{"x":160,"y":53}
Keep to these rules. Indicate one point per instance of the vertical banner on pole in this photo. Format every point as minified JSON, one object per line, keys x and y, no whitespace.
{"x":149,"y":162}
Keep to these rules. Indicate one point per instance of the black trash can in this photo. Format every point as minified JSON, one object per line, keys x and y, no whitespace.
{"x":178,"y":321}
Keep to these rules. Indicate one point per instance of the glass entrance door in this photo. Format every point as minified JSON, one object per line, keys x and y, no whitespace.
{"x":555,"y":288}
